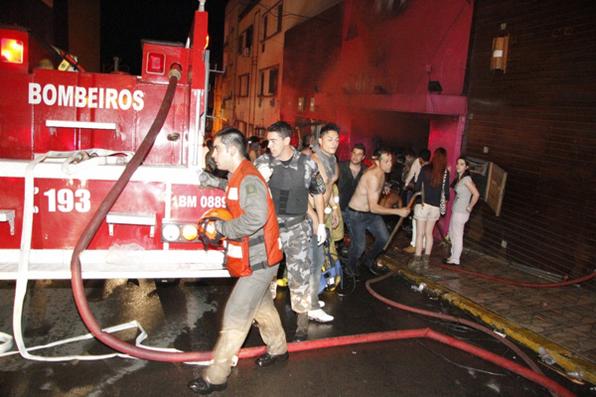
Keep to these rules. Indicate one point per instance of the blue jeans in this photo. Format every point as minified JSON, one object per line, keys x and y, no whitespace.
{"x":346,"y":218}
{"x":360,"y":222}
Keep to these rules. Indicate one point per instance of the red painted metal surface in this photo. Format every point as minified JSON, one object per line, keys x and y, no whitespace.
{"x":11,"y":198}
{"x":200,"y":40}
{"x":15,"y":116}
{"x":113,"y":112}
{"x":22,"y":37}
{"x":156,"y":53}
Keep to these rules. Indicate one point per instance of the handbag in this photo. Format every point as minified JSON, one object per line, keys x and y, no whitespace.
{"x":443,"y":203}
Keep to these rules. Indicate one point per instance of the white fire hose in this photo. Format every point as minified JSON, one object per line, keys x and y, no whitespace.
{"x":21,"y":291}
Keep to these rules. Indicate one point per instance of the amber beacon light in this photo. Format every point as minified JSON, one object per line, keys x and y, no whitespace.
{"x":12,"y":51}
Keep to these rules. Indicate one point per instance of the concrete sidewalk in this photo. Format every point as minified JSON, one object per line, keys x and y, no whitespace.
{"x":557,"y":323}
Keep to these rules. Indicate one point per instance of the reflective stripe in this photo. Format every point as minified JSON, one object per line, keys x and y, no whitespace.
{"x":232,"y":193}
{"x":234,"y":250}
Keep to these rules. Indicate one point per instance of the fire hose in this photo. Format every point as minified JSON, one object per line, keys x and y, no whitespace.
{"x":147,"y":354}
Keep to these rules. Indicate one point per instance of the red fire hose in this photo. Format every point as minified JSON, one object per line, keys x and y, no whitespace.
{"x":96,"y":221}
{"x":517,"y":283}
{"x":427,"y":333}
{"x":139,"y":352}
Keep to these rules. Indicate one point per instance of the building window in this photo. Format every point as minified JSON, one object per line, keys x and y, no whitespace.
{"x":245,"y":42}
{"x":268,"y":81}
{"x":272,"y":20}
{"x":243,"y":84}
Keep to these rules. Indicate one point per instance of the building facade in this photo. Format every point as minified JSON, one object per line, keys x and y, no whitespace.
{"x":388,"y":73}
{"x":248,"y":92}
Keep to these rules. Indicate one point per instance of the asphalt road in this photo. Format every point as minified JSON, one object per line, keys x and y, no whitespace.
{"x":187,"y":316}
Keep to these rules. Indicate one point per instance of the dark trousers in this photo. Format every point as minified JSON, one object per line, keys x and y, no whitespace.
{"x":360,"y":223}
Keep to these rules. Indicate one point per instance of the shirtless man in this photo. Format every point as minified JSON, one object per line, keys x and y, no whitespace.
{"x":365,"y":213}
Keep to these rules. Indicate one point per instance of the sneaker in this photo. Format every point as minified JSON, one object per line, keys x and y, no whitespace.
{"x":319,"y":316}
{"x":321,"y":304}
{"x":410,"y":249}
{"x":447,"y":261}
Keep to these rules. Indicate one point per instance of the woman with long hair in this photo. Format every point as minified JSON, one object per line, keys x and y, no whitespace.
{"x":433,"y":182}
{"x":466,"y":197}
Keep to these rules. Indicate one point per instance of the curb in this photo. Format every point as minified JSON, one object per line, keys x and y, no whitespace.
{"x":575,"y":367}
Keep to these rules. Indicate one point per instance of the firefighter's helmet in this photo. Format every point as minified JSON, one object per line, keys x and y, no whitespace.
{"x":207,"y":232}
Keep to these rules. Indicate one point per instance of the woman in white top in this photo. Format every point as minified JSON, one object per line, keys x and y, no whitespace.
{"x":466,"y":197}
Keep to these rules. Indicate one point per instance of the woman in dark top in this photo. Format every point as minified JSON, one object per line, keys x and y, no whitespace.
{"x":433,"y":182}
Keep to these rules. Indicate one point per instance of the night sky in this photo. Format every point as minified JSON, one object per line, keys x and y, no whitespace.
{"x":125,"y":23}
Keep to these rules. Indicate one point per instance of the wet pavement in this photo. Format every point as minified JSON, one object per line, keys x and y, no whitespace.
{"x":187,"y":317}
{"x":559,"y":323}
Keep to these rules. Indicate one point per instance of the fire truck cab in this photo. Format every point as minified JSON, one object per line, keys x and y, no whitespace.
{"x":65,"y":137}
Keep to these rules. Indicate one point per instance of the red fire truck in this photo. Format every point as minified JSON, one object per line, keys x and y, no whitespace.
{"x":65,"y":138}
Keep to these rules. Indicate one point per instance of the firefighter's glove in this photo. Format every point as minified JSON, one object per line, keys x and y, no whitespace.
{"x":208,"y":231}
{"x":321,"y":234}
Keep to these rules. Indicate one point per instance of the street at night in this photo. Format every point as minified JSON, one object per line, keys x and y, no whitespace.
{"x":421,"y":171}
{"x":187,"y":317}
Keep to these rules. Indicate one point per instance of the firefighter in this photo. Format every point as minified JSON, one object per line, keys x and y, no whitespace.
{"x":292,"y":176}
{"x":253,"y":252}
